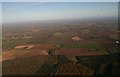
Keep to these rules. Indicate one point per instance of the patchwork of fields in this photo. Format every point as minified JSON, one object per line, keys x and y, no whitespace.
{"x":51,"y":50}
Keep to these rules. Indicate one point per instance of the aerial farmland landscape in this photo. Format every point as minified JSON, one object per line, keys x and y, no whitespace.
{"x":58,"y":44}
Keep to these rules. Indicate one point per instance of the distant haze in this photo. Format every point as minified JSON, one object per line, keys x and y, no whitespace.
{"x":45,"y":11}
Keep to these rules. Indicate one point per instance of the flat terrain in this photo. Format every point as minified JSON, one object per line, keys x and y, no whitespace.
{"x":47,"y":49}
{"x":78,"y":52}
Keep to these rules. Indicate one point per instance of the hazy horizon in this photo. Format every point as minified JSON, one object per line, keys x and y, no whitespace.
{"x":15,"y":12}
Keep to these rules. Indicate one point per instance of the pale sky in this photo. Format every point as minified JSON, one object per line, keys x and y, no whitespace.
{"x":32,"y":11}
{"x":59,"y":0}
{"x":37,"y":11}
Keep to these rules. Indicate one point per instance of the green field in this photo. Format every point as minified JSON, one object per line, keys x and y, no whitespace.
{"x":57,"y":33}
